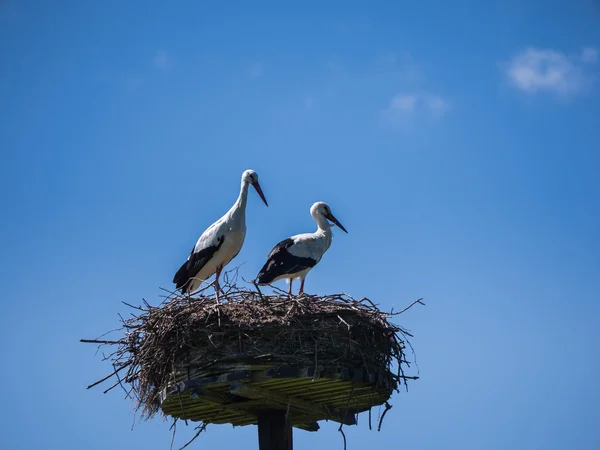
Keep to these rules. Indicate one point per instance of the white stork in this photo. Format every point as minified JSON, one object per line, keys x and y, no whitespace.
{"x":294,"y":257}
{"x":220,"y":243}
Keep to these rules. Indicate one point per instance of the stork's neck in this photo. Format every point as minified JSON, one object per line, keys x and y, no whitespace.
{"x":322,"y":224}
{"x":323,"y":234}
{"x":239,"y":207}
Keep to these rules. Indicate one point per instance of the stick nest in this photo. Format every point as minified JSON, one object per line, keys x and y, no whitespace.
{"x":196,"y":333}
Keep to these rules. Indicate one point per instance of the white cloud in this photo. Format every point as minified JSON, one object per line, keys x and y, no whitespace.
{"x":406,"y":108}
{"x":414,"y":102}
{"x":404,"y":102}
{"x":436,"y":104}
{"x":389,"y":85}
{"x":589,"y":55}
{"x":542,"y":70}
{"x":255,"y":70}
{"x":161,"y":60}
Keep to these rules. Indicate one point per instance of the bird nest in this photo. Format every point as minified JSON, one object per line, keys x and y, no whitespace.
{"x":192,"y":341}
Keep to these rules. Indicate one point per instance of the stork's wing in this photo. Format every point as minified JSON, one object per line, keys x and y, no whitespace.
{"x":196,"y":261}
{"x":283,"y":245}
{"x":281,"y":262}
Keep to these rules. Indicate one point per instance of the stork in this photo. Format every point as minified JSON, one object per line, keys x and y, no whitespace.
{"x":220,"y":243}
{"x":294,"y":257}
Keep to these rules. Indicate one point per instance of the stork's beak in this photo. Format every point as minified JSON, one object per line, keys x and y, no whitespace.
{"x":337,"y":222}
{"x":260,"y":192}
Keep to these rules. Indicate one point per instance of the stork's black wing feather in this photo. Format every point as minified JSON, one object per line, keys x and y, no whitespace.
{"x":194,"y":264}
{"x":281,"y":262}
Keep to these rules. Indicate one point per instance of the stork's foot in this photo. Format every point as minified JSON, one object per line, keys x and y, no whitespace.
{"x":301,"y":291}
{"x":218,"y":285}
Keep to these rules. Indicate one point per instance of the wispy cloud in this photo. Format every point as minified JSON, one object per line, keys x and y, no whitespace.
{"x":436,"y":104}
{"x":256,"y":70}
{"x":419,"y":101}
{"x":405,"y":102}
{"x":405,"y":108}
{"x":388,"y":87}
{"x":589,"y":55}
{"x":161,"y":60}
{"x":550,"y":71}
{"x":412,"y":102}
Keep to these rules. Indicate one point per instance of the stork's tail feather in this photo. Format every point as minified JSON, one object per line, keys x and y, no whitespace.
{"x":264,"y":276}
{"x":182,"y":278}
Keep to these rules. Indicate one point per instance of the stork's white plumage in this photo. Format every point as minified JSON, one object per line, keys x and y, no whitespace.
{"x":220,"y":243}
{"x":294,"y":257}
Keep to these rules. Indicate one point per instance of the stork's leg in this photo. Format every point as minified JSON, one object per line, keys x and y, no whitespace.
{"x":301,"y":287}
{"x":217,"y":286}
{"x":290,"y":289}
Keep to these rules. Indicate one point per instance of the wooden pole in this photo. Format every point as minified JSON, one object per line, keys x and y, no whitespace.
{"x":274,"y":431}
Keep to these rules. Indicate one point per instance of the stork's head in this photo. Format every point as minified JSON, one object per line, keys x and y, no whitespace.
{"x":322,"y":209}
{"x":251,"y":177}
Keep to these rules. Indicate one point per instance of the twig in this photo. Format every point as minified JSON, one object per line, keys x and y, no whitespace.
{"x":201,"y":429}
{"x":343,"y":435}
{"x":112,"y":387}
{"x":133,"y":422}
{"x":96,"y":341}
{"x":345,"y":323}
{"x":121,"y":384}
{"x":345,"y":414}
{"x":411,"y":305}
{"x":174,"y":427}
{"x":108,"y":376}
{"x":258,"y":290}
{"x":179,"y":396}
{"x":387,"y":408}
{"x":316,"y":362}
{"x":170,"y":292}
{"x":108,"y":332}
{"x":139,"y":308}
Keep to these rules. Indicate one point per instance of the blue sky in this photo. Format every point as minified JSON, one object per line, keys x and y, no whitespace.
{"x":458,"y":142}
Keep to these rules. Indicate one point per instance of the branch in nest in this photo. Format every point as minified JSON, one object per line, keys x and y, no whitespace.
{"x":109,"y":375}
{"x":419,"y":301}
{"x":387,"y":408}
{"x":200,"y":428}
